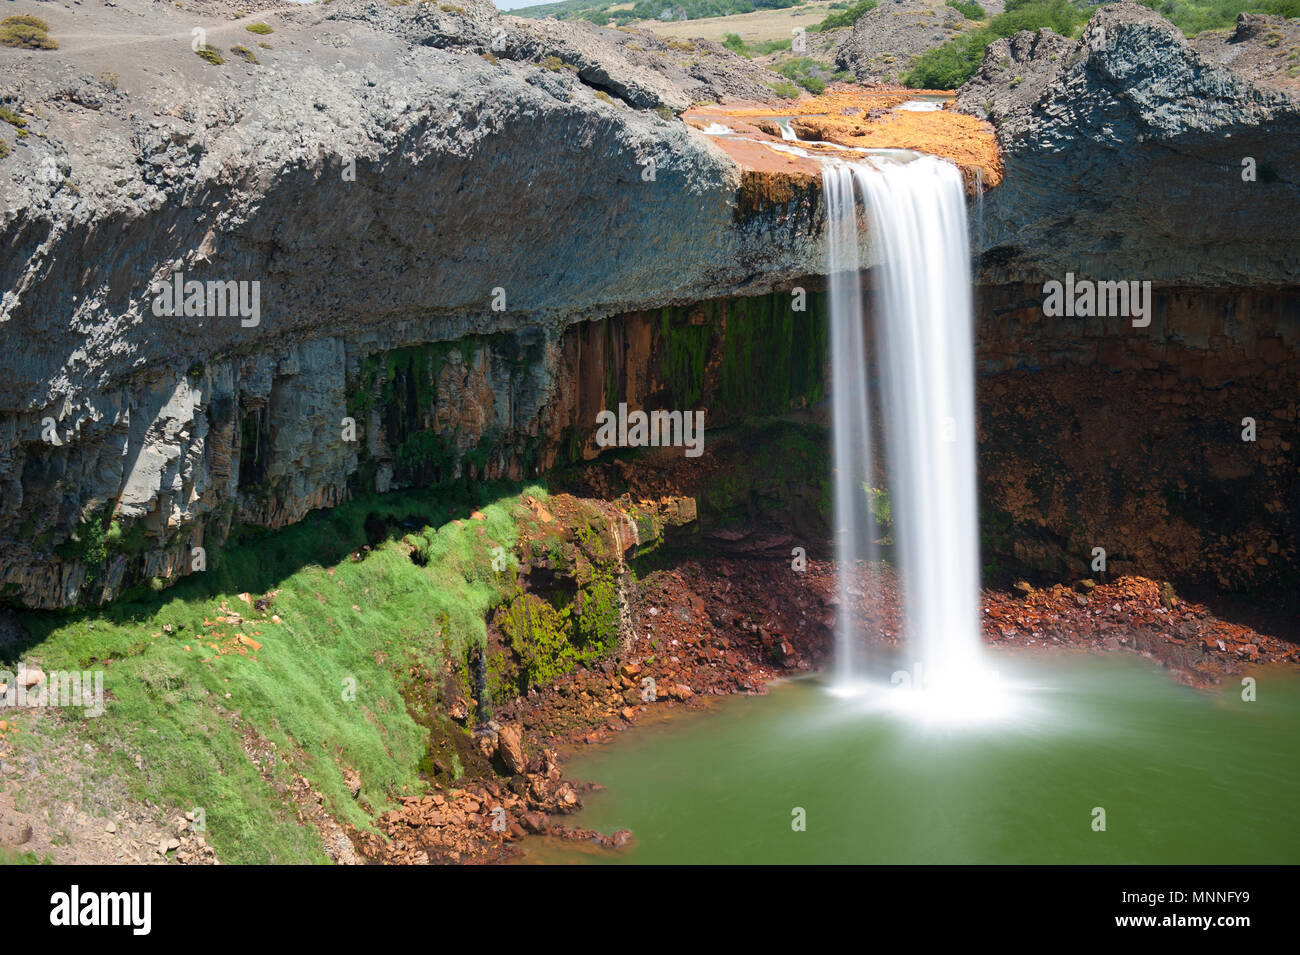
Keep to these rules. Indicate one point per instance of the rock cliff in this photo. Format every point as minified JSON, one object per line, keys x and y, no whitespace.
{"x":389,"y":177}
{"x":1126,"y":155}
{"x":469,"y":233}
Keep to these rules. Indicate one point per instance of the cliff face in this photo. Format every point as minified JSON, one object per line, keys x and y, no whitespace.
{"x":388,"y":176}
{"x":1124,"y":153}
{"x":465,"y":231}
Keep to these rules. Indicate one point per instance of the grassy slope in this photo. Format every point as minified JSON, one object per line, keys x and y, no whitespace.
{"x":368,"y":621}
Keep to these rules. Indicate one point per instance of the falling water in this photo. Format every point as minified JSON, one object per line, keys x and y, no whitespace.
{"x":850,"y":412}
{"x":916,"y":211}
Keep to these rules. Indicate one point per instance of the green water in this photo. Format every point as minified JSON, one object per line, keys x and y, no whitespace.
{"x":1184,"y":776}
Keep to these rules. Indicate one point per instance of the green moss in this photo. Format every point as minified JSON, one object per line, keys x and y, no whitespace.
{"x":548,"y":641}
{"x":773,"y":358}
{"x":685,"y":351}
{"x":245,"y":54}
{"x":261,"y":29}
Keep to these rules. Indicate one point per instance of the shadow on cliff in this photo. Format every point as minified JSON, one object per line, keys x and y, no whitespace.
{"x":257,"y":561}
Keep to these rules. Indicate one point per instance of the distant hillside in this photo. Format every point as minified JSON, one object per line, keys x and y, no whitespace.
{"x":602,"y":11}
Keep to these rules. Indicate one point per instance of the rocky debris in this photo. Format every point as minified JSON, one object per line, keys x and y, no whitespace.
{"x":510,"y":748}
{"x":1136,"y":614}
{"x":1123,"y":152}
{"x":1265,"y":48}
{"x":1014,"y":74}
{"x":642,"y":69}
{"x":101,"y":823}
{"x":885,"y":42}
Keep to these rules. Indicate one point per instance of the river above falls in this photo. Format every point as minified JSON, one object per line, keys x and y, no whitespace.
{"x":1183,"y":775}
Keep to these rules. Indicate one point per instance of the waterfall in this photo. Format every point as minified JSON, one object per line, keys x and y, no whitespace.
{"x":850,"y":411}
{"x":916,"y":211}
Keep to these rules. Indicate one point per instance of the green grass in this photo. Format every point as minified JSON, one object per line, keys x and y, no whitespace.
{"x":785,"y":89}
{"x":736,"y":44}
{"x":367,"y":621}
{"x":14,"y":857}
{"x":811,"y":74}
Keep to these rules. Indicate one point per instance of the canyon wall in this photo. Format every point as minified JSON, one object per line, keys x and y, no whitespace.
{"x":471,"y":234}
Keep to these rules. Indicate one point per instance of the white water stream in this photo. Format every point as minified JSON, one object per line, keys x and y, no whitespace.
{"x":915,"y":214}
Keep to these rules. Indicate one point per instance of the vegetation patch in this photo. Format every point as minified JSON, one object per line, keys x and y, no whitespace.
{"x":968,"y":8}
{"x":259,"y":28}
{"x":846,"y":17}
{"x":306,"y":637}
{"x":211,"y":54}
{"x":26,"y":32}
{"x":245,"y":54}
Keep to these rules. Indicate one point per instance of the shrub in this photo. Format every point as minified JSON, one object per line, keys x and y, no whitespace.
{"x":26,"y":32}
{"x":948,"y":66}
{"x":13,"y":119}
{"x":211,"y":54}
{"x":261,"y":29}
{"x":845,"y":18}
{"x":968,"y":8}
{"x":244,"y":53}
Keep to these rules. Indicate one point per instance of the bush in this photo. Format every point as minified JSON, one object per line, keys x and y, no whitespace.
{"x":968,"y":8}
{"x":845,"y":18}
{"x":1197,"y":16}
{"x":211,"y":54}
{"x":26,"y":32}
{"x":261,"y":29}
{"x":806,"y":72}
{"x":949,"y":66}
{"x":244,"y":53}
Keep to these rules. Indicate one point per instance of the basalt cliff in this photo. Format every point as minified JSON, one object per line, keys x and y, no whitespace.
{"x":471,"y":233}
